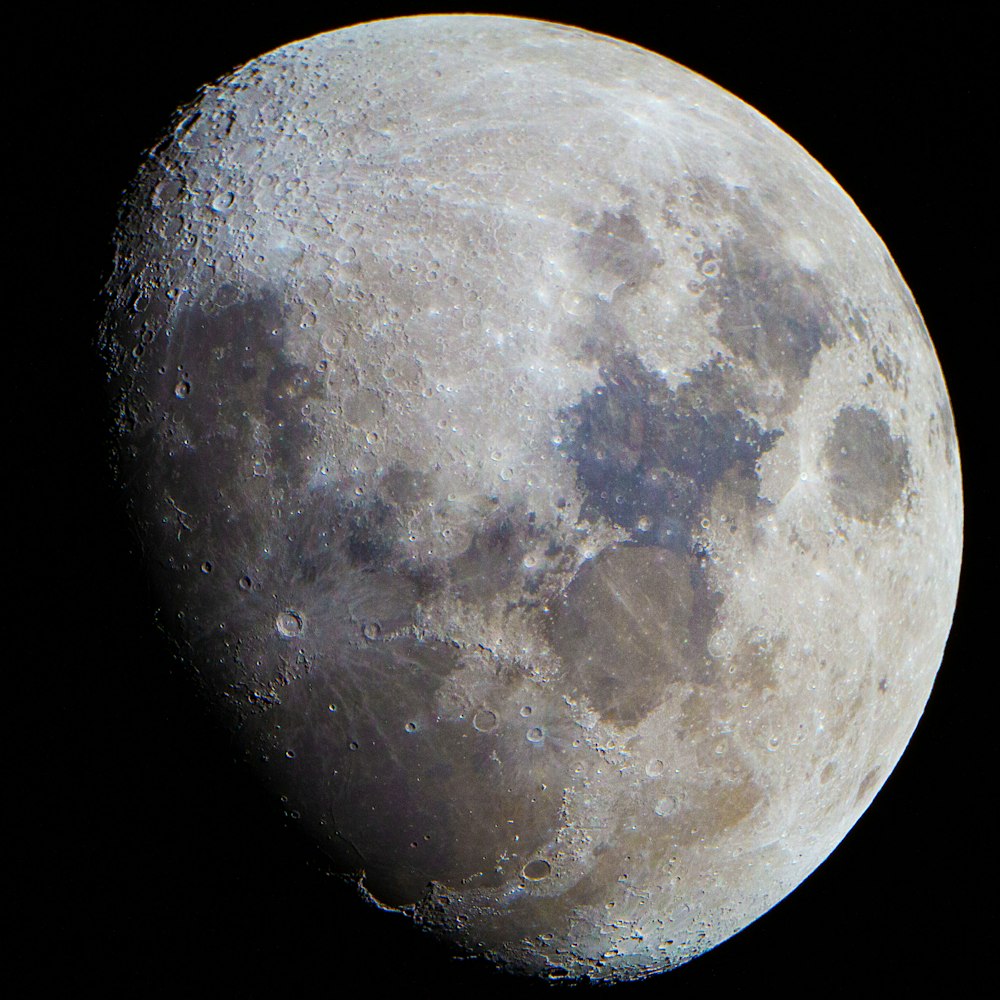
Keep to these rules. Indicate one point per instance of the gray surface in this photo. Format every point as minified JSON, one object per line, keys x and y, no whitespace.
{"x":707,"y":330}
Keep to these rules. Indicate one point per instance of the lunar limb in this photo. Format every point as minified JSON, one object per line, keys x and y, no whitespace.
{"x":548,"y":475}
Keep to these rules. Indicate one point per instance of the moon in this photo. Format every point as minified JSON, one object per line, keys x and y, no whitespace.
{"x":547,"y":473}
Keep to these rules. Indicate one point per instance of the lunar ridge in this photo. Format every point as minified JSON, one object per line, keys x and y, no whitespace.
{"x":545,"y":470}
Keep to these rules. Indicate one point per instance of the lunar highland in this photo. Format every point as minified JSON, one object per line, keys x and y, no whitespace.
{"x":544,"y":468}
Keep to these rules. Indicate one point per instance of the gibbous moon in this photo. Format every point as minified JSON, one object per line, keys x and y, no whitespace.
{"x":546,"y":472}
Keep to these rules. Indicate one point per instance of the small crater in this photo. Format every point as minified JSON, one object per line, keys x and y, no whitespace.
{"x":289,"y":624}
{"x":666,"y":806}
{"x":537,"y":870}
{"x":224,"y":201}
{"x":484,"y":721}
{"x":654,"y":768}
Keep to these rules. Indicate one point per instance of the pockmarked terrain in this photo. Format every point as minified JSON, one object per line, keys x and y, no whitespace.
{"x":544,"y":468}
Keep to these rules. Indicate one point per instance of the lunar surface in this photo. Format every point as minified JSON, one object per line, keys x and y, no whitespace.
{"x":545,"y":470}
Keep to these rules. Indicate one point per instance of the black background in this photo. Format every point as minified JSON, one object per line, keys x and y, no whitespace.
{"x":150,"y":864}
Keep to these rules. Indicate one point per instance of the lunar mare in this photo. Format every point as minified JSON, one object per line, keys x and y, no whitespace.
{"x":544,"y":469}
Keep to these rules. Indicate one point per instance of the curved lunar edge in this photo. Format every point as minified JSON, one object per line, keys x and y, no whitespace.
{"x":545,"y":470}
